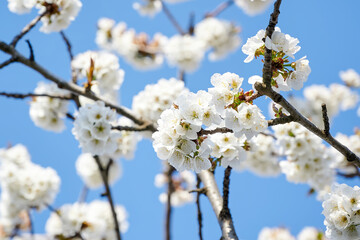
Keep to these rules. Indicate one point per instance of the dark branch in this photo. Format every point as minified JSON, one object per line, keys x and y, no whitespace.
{"x":172,"y":19}
{"x":69,"y":116}
{"x":298,"y":117}
{"x":68,"y":44}
{"x":65,"y":85}
{"x":26,"y":95}
{"x":32,"y":56}
{"x":281,"y":120}
{"x":325,"y":119}
{"x":7,"y":62}
{"x":225,"y":211}
{"x":199,"y":214}
{"x":220,"y":8}
{"x":171,"y":189}
{"x":267,"y":70}
{"x":133,"y":129}
{"x":27,"y":28}
{"x":109,"y":196}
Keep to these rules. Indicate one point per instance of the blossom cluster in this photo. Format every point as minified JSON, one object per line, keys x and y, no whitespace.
{"x":136,"y":49}
{"x":104,"y":72}
{"x":183,"y":51}
{"x":93,"y":129}
{"x":179,"y":139}
{"x":89,"y":220}
{"x":151,"y":7}
{"x":307,"y":233}
{"x":183,"y":182}
{"x":59,"y":13}
{"x":282,"y":46}
{"x":307,"y":159}
{"x":24,"y":185}
{"x":155,"y":98}
{"x":47,"y":112}
{"x":341,"y":211}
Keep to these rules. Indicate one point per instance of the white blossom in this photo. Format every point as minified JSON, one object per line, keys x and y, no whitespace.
{"x":220,"y":35}
{"x":47,"y":112}
{"x":253,"y":7}
{"x":350,"y":77}
{"x":148,"y":7}
{"x":185,"y":52}
{"x":252,"y":44}
{"x":21,"y":6}
{"x":275,"y":234}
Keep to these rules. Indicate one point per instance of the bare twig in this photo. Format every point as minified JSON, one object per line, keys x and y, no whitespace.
{"x":168,"y":203}
{"x":181,"y":75}
{"x":280,"y":120}
{"x":267,"y":70}
{"x":32,"y":56}
{"x":27,"y":28}
{"x":213,"y":194}
{"x":65,"y":85}
{"x":7,"y":62}
{"x":109,"y":197}
{"x":219,"y":9}
{"x":199,"y":214}
{"x":172,"y":19}
{"x":26,"y":95}
{"x":68,"y":44}
{"x":325,"y":119}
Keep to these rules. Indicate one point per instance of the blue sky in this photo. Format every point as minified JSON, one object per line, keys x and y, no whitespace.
{"x":329,"y":35}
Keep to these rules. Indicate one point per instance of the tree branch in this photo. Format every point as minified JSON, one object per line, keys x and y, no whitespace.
{"x":216,"y":130}
{"x":280,"y":120}
{"x":133,"y":129}
{"x":325,"y":119}
{"x":172,"y":19}
{"x":225,"y":211}
{"x":7,"y":62}
{"x":109,"y":196}
{"x":212,"y":192}
{"x":65,"y":85}
{"x":27,"y":28}
{"x":199,"y":214}
{"x":168,"y":203}
{"x":68,"y":45}
{"x":267,"y":70}
{"x":299,"y":118}
{"x":26,"y":95}
{"x":219,"y":9}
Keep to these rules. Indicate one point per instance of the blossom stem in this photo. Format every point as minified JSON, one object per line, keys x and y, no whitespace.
{"x":26,"y":95}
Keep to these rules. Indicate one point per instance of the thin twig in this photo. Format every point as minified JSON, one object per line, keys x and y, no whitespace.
{"x":168,"y":203}
{"x":70,"y":116}
{"x":27,"y":28}
{"x":213,"y":194}
{"x":68,"y":45}
{"x":325,"y":119}
{"x":26,"y":95}
{"x":32,"y":56}
{"x":219,"y":9}
{"x":181,"y":75}
{"x":7,"y":62}
{"x":199,"y":214}
{"x":109,"y":196}
{"x":65,"y":85}
{"x":172,"y":19}
{"x":267,"y":70}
